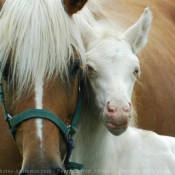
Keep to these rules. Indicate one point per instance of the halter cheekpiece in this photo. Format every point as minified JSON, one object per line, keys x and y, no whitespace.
{"x":67,"y":131}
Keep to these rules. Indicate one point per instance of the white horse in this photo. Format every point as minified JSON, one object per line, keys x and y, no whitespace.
{"x":113,"y":68}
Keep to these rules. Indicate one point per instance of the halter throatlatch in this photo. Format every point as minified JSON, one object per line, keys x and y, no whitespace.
{"x":67,"y":131}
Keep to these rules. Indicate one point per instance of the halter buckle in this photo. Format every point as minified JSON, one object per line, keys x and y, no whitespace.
{"x":70,"y":134}
{"x":9,"y":117}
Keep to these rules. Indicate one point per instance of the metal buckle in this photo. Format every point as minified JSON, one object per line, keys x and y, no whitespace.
{"x":9,"y":117}
{"x":70,"y":134}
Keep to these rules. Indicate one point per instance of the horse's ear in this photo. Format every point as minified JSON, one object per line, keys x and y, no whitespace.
{"x":72,"y":6}
{"x":87,"y":33}
{"x":137,"y":34}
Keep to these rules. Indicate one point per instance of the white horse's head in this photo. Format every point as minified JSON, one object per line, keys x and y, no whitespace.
{"x":113,"y":68}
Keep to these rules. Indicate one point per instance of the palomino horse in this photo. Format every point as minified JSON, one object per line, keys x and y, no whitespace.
{"x":154,"y":97}
{"x":41,"y":52}
{"x":112,"y":71}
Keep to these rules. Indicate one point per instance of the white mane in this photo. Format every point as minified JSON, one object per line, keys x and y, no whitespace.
{"x":38,"y":36}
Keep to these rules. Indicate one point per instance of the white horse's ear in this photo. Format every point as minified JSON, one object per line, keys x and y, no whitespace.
{"x":137,"y":34}
{"x":87,"y":33}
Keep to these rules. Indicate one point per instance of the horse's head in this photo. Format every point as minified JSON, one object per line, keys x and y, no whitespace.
{"x":113,"y":68}
{"x":41,"y":57}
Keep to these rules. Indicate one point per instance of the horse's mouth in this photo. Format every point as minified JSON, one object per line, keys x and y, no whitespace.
{"x":113,"y":126}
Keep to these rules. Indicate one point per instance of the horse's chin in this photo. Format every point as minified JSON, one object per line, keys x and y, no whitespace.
{"x":116,"y":130}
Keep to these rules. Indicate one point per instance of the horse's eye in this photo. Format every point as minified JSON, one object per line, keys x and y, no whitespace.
{"x":6,"y":70}
{"x":136,"y":72}
{"x":75,"y":68}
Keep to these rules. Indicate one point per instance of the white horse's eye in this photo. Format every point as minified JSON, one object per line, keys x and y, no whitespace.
{"x":90,"y":68}
{"x":91,"y":71}
{"x":136,"y":72}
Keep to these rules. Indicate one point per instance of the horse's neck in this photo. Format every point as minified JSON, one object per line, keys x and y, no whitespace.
{"x":90,"y":123}
{"x":98,"y":149}
{"x":93,"y":141}
{"x":92,"y":136}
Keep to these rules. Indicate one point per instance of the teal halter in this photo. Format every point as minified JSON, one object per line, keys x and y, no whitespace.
{"x":67,"y":131}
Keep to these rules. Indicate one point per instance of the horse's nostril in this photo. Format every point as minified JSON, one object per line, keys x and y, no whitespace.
{"x":58,"y":172}
{"x":45,"y":169}
{"x":22,"y":173}
{"x":61,"y":171}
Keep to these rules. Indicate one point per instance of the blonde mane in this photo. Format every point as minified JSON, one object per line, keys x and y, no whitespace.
{"x":37,"y":37}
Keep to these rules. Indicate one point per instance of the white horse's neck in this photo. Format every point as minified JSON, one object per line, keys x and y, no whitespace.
{"x":135,"y":150}
{"x":90,"y":123}
{"x":92,"y":137}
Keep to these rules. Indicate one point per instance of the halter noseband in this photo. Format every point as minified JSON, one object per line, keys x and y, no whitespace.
{"x":68,"y":131}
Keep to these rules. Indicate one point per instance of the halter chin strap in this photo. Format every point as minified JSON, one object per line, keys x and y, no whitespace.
{"x":68,"y":131}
